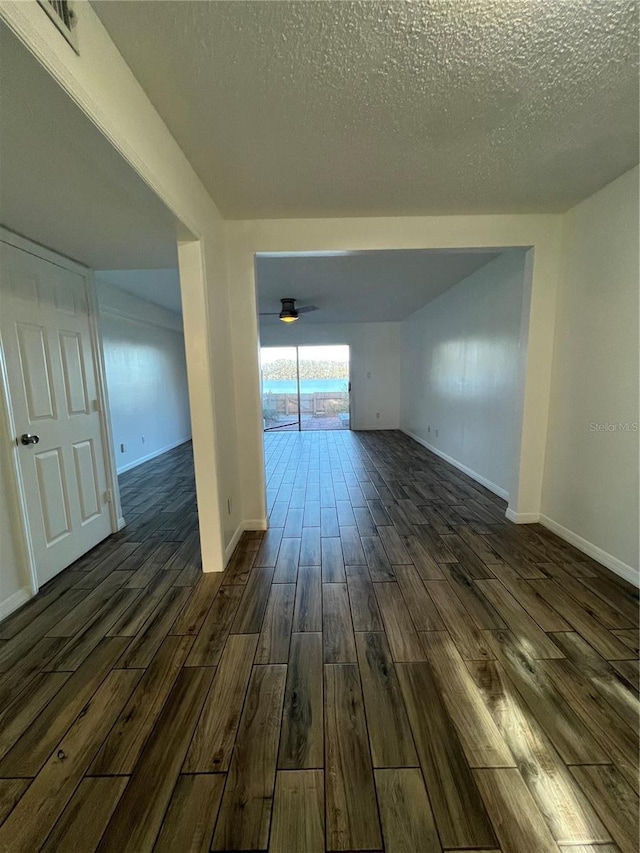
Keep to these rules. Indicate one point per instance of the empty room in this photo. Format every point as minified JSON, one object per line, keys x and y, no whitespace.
{"x":319,"y":458}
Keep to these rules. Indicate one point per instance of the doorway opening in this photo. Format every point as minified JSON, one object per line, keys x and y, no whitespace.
{"x":305,"y":388}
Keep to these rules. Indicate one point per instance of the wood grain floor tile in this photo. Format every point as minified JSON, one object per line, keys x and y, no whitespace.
{"x":301,"y":739}
{"x":405,"y":812}
{"x":460,"y":815}
{"x":362,"y":600}
{"x":209,"y":643}
{"x":245,"y":812}
{"x":456,"y":681}
{"x":86,"y":816}
{"x":337,"y":627}
{"x":332,"y":560}
{"x":614,"y":800}
{"x":286,"y":570}
{"x":191,"y":816}
{"x":137,"y":818}
{"x":481,"y":740}
{"x":389,"y":731}
{"x":298,"y":812}
{"x":567,"y":812}
{"x":214,"y":736}
{"x":351,"y":809}
{"x":250,"y":612}
{"x":518,"y":823}
{"x":307,"y":612}
{"x":35,"y":815}
{"x":472,"y":643}
{"x":403,"y":639}
{"x":273,"y":644}
{"x":120,"y":751}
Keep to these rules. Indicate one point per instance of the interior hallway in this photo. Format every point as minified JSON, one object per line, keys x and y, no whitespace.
{"x":392,"y":664}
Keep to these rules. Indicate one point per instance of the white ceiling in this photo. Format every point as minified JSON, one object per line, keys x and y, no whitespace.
{"x":63,"y":185}
{"x":365,"y":287}
{"x":162,"y":287}
{"x":299,"y":109}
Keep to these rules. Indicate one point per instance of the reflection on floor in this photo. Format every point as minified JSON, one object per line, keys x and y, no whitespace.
{"x":393,"y":665}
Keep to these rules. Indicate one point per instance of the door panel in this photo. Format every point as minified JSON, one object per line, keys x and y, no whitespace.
{"x":46,"y":340}
{"x":73,"y":371}
{"x":54,"y":500}
{"x":86,"y":476}
{"x":36,"y":370}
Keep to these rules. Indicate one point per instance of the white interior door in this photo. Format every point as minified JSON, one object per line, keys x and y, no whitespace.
{"x":45,"y":334}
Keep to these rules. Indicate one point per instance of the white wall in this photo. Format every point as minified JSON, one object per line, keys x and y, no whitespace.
{"x":591,"y":477}
{"x":144,"y":356}
{"x":102,"y":85}
{"x":374,"y":349}
{"x":460,"y":371}
{"x":542,"y":232}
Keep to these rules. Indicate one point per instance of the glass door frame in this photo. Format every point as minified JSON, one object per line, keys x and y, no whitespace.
{"x":297,"y":348}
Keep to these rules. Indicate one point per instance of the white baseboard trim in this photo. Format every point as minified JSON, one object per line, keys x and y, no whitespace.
{"x":608,"y":560}
{"x":130,"y":465}
{"x":231,"y":547}
{"x":250,"y":524}
{"x":14,"y":601}
{"x":121,"y":523}
{"x":256,"y":524}
{"x":522,"y":517}
{"x":468,"y":471}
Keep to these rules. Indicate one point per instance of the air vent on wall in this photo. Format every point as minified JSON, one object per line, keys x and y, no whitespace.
{"x":63,"y":16}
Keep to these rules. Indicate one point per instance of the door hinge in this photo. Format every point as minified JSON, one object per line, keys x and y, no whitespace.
{"x":96,"y":406}
{"x":108,"y":496}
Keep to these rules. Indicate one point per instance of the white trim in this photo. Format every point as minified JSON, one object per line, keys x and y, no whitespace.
{"x":121,"y":522}
{"x":256,"y":524}
{"x":608,"y":560}
{"x":251,"y":524}
{"x":14,"y":601}
{"x":522,"y":517}
{"x":125,"y":315}
{"x":42,"y":252}
{"x":111,"y":474}
{"x":497,"y":490}
{"x":231,"y":547}
{"x":129,"y":466}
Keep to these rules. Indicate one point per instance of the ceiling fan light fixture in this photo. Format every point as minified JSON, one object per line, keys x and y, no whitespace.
{"x":288,"y":313}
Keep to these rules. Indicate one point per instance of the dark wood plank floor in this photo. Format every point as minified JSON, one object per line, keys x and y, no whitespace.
{"x":392,"y":666}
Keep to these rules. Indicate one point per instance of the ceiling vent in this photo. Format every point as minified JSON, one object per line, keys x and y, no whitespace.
{"x":63,"y":16}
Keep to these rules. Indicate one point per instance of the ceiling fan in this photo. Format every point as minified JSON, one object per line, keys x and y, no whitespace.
{"x":289,"y":312}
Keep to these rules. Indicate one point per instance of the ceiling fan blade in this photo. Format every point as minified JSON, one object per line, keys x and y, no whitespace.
{"x":268,"y":313}
{"x":306,"y":309}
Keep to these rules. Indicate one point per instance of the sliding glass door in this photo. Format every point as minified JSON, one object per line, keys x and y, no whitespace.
{"x":305,"y":388}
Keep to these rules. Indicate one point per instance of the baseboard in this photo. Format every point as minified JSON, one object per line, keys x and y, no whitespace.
{"x":250,"y":524}
{"x":231,"y":547}
{"x":130,"y":465}
{"x":256,"y":524}
{"x":121,"y":523}
{"x":465,"y":470}
{"x":14,"y":602}
{"x":608,"y":560}
{"x":522,"y":517}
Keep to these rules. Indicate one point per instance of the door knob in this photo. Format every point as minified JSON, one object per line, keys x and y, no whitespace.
{"x":27,"y":439}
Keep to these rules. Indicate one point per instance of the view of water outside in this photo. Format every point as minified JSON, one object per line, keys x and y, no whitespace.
{"x":323,"y":384}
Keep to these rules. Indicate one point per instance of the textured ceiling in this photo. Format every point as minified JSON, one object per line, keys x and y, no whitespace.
{"x":336,"y":108}
{"x":62,"y":184}
{"x":162,"y":287}
{"x":364,"y":287}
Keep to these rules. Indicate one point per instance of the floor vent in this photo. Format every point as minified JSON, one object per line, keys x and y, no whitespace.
{"x":63,"y":16}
